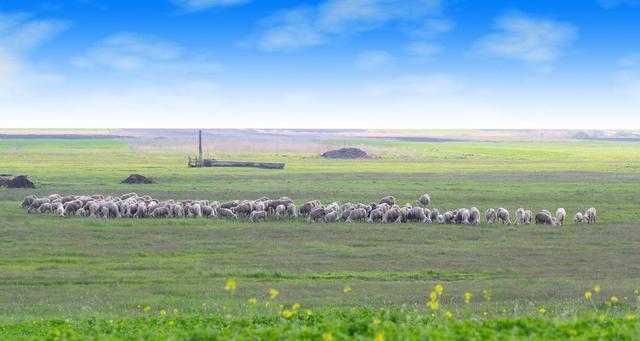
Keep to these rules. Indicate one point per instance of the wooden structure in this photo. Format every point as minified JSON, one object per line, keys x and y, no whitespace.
{"x":202,"y":162}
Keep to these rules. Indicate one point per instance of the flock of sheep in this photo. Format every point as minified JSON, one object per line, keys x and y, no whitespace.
{"x":132,"y":205}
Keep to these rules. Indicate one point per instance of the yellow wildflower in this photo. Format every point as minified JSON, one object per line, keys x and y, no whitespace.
{"x":467,"y":297}
{"x":379,"y":337}
{"x":346,"y":289}
{"x":295,"y":306}
{"x":448,"y":314}
{"x":597,"y":288}
{"x":171,"y":323}
{"x":230,"y":285}
{"x":433,"y":296}
{"x":636,"y":292}
{"x":309,"y":313}
{"x":376,"y":321}
{"x":601,"y":317}
{"x":434,"y":305}
{"x":163,"y":312}
{"x":146,"y":308}
{"x":439,"y":289}
{"x":287,"y":313}
{"x":176,"y":311}
{"x":587,"y":295}
{"x":328,"y":336}
{"x":542,"y":310}
{"x":273,"y":293}
{"x":614,"y":299}
{"x":252,"y":300}
{"x":631,"y":317}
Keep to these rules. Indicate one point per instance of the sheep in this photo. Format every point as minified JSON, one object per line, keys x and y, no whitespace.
{"x":27,"y":201}
{"x":94,"y":209}
{"x":280,"y":211}
{"x":45,"y":207}
{"x":503,"y":216}
{"x":391,"y":215}
{"x":390,"y":200}
{"x":376,"y":215}
{"x":79,"y":213}
{"x":544,"y":218}
{"x":306,"y":208}
{"x":60,"y":211}
{"x":577,"y":219}
{"x":490,"y":215}
{"x":424,"y":200}
{"x":244,"y":209}
{"x":440,"y":219}
{"x":317,"y":213}
{"x":160,"y":212}
{"x":141,"y":210}
{"x":418,"y":214}
{"x":35,"y":204}
{"x":334,"y":206}
{"x":590,"y":215}
{"x":560,"y":215}
{"x":434,"y":214}
{"x":474,"y":216}
{"x":357,"y":214}
{"x":207,"y":212}
{"x":403,"y":214}
{"x":519,"y":216}
{"x":257,"y":215}
{"x":226,"y":213}
{"x":527,"y":217}
{"x":291,"y":210}
{"x":345,"y":213}
{"x":230,"y":204}
{"x":71,"y":206}
{"x":331,"y":217}
{"x":196,"y":210}
{"x":448,"y":217}
{"x":462,"y":216}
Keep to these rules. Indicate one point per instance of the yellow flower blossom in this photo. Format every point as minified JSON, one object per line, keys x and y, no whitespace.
{"x":287,"y":313}
{"x":346,"y":289}
{"x":587,"y":295}
{"x":439,"y":289}
{"x":295,"y":306}
{"x":467,"y":297}
{"x":636,"y":292}
{"x":252,"y":300}
{"x":597,"y":289}
{"x":230,"y":285}
{"x":601,"y":317}
{"x":448,"y":314}
{"x":434,"y":305}
{"x":273,"y":293}
{"x":176,"y":311}
{"x":631,"y":317}
{"x":376,"y":321}
{"x":379,"y":337}
{"x":163,"y":312}
{"x":328,"y":336}
{"x":542,"y":310}
{"x":309,"y":313}
{"x":171,"y":323}
{"x":433,"y":296}
{"x":146,"y":308}
{"x":614,"y":299}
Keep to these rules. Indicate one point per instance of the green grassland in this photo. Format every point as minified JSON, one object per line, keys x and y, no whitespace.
{"x":99,"y":273}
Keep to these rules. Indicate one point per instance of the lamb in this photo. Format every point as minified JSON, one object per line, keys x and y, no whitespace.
{"x":390,"y":200}
{"x":226,"y":213}
{"x":257,"y":215}
{"x":503,"y":216}
{"x":392,"y":215}
{"x":317,"y":213}
{"x":357,"y":214}
{"x":490,"y":215}
{"x":577,"y":219}
{"x":590,"y":215}
{"x":331,"y":217}
{"x":519,"y":216}
{"x":560,"y":215}
{"x":544,"y":218}
{"x":424,"y":200}
{"x":474,"y":216}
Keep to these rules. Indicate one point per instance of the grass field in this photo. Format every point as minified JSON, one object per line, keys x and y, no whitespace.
{"x":83,"y":278}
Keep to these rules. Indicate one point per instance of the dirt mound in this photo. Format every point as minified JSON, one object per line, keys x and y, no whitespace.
{"x":346,"y":153}
{"x":4,"y":181}
{"x":137,"y":179}
{"x":20,"y":181}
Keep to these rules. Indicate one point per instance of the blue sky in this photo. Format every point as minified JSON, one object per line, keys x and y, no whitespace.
{"x":320,"y":64}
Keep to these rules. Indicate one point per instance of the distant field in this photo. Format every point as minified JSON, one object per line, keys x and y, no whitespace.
{"x":78,"y":268}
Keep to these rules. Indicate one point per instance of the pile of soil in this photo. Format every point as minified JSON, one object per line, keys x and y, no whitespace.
{"x":20,"y":181}
{"x":137,"y":179}
{"x":346,"y":153}
{"x":4,"y":182}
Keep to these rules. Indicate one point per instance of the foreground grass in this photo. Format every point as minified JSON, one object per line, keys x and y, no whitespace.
{"x":331,"y":324}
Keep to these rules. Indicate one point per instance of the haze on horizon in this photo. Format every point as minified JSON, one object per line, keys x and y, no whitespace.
{"x":367,"y":64}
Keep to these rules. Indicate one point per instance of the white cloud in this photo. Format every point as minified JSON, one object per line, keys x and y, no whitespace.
{"x":373,"y":60}
{"x":433,"y":27}
{"x":135,"y":52}
{"x":527,"y":39}
{"x":312,"y":26}
{"x":198,"y":5}
{"x":423,"y":51}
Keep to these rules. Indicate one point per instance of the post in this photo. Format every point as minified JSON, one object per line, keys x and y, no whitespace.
{"x":200,"y":160}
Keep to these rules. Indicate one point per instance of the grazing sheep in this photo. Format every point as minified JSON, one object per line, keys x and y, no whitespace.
{"x":503,"y":216}
{"x":474,"y":216}
{"x":376,"y":215}
{"x":230,"y":204}
{"x":560,"y":215}
{"x":141,"y":210}
{"x":577,"y":219}
{"x":527,"y":217}
{"x":208,"y":212}
{"x":424,"y":200}
{"x":196,"y":210}
{"x":291,"y":210}
{"x":440,"y":219}
{"x":434,"y":214}
{"x":519,"y":216}
{"x":544,"y":218}
{"x":257,"y":215}
{"x":27,"y":201}
{"x":403,"y":214}
{"x":334,"y":206}
{"x":35,"y":204}
{"x":45,"y":207}
{"x":226,"y":213}
{"x":448,"y":217}
{"x":317,"y":213}
{"x":60,"y":211}
{"x":357,"y":214}
{"x":160,"y":212}
{"x":391,"y":216}
{"x":79,"y":213}
{"x":345,"y":213}
{"x":280,"y":211}
{"x":71,"y":206}
{"x":306,"y":208}
{"x":462,"y":216}
{"x":331,"y":217}
{"x":490,"y":215}
{"x":389,"y":200}
{"x":418,"y":214}
{"x":590,"y":215}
